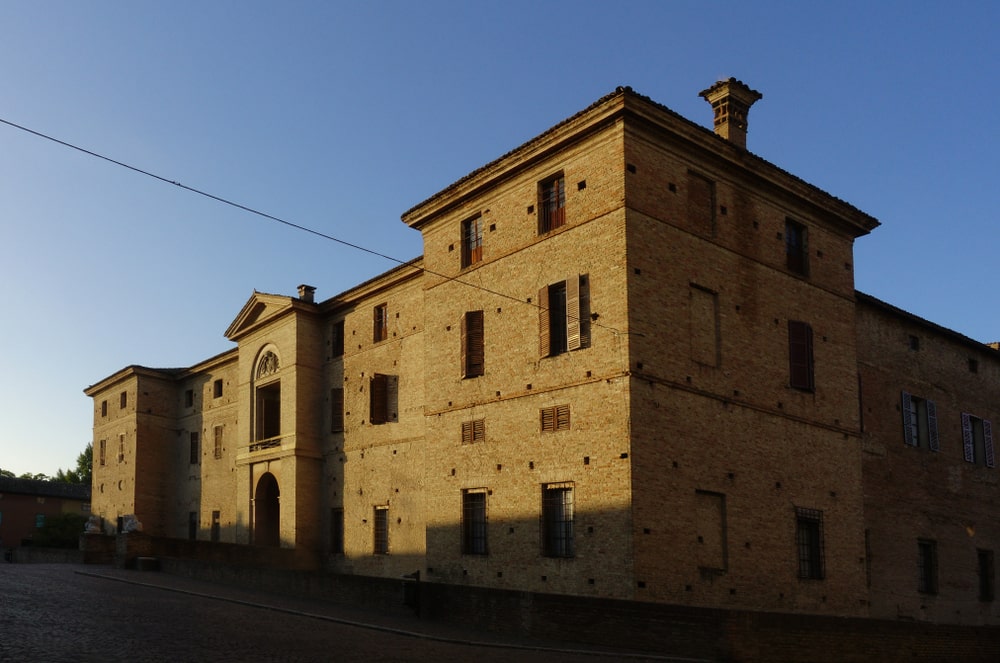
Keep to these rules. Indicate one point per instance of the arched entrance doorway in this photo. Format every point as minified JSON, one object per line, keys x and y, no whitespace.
{"x":266,"y":530}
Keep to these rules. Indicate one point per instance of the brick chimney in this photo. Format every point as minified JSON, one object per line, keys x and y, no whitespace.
{"x":306,"y":293}
{"x":731,"y":101}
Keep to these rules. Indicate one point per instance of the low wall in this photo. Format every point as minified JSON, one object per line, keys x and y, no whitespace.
{"x":33,"y":555}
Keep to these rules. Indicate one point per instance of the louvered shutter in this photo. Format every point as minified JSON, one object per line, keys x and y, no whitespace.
{"x":478,"y":430}
{"x":391,"y":397}
{"x":932,"y":427}
{"x":909,"y":431}
{"x":967,"y":441}
{"x":379,"y":396}
{"x":562,"y":417}
{"x":548,"y":415}
{"x":988,"y":442}
{"x":467,"y":432}
{"x":573,"y":338}
{"x":472,"y":343}
{"x":544,"y":337}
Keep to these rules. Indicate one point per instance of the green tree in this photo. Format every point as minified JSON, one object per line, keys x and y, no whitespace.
{"x":60,"y":531}
{"x":6,"y":473}
{"x":84,"y":468}
{"x":40,"y":476}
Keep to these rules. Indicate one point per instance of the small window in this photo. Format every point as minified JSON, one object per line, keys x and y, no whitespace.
{"x":927,"y":566}
{"x":337,"y":531}
{"x":800,"y":356}
{"x":473,"y":431}
{"x":973,"y":365}
{"x":557,"y":520}
{"x":217,"y":447}
{"x":217,"y":389}
{"x":551,"y":205}
{"x":124,"y":399}
{"x":337,"y":341}
{"x":380,"y":324}
{"x":977,"y":439}
{"x":809,"y":542}
{"x":216,"y":526}
{"x":796,"y":248}
{"x":40,"y":520}
{"x":555,"y":417}
{"x":914,"y":343}
{"x":564,"y":316}
{"x":985,"y":564}
{"x":337,"y":410}
{"x":195,"y":454}
{"x":473,"y":352}
{"x":104,"y":408}
{"x":121,"y":448}
{"x":383,"y":399}
{"x":920,"y":427}
{"x":474,"y":521}
{"x":381,"y":542}
{"x":102,"y":452}
{"x":472,"y":241}
{"x":188,"y":397}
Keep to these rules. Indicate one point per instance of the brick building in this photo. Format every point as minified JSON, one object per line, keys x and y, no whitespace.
{"x":26,"y":504}
{"x":631,"y":363}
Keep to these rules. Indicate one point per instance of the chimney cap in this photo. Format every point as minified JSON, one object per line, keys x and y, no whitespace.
{"x":306,"y":292}
{"x":731,"y":100}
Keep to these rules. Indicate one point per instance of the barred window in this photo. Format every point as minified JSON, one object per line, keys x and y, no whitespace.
{"x":474,"y":521}
{"x":557,"y":520}
{"x":472,"y":241}
{"x":381,"y":542}
{"x":809,"y":541}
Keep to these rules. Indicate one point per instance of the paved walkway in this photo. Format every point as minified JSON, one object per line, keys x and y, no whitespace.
{"x":59,"y":612}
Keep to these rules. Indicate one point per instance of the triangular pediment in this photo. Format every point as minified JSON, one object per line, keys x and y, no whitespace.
{"x":259,"y":309}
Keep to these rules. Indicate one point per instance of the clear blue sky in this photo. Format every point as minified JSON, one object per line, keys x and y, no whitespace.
{"x":340,"y":116}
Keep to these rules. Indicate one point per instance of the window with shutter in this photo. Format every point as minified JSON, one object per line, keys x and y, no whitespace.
{"x":472,"y":344}
{"x":379,"y":397}
{"x":551,"y":204}
{"x":473,"y":431}
{"x":796,"y":247}
{"x":380,"y":323}
{"x":564,"y":316}
{"x":800,"y":355}
{"x":919,"y":422}
{"x":554,"y":418}
{"x":472,"y":241}
{"x":337,"y":410}
{"x":977,"y":440}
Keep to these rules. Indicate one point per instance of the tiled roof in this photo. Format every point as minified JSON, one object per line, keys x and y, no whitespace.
{"x":73,"y":491}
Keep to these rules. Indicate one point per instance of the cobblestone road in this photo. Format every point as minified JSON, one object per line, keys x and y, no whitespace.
{"x":58,"y":612}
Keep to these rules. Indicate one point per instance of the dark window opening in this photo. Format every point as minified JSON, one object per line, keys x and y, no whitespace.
{"x":192,"y":525}
{"x":557,"y":520}
{"x":188,"y":397}
{"x":337,"y":342}
{"x":985,"y":563}
{"x":920,"y":427}
{"x":800,"y":356}
{"x":337,"y":531}
{"x":473,"y":344}
{"x":927,"y":566}
{"x":268,"y":411}
{"x":551,"y":205}
{"x":472,"y":241}
{"x":380,"y":323}
{"x":796,"y":247}
{"x":337,"y":410}
{"x":381,"y":542}
{"x":474,"y":522}
{"x":195,"y":454}
{"x":809,"y":541}
{"x":563,"y":316}
{"x":977,"y":440}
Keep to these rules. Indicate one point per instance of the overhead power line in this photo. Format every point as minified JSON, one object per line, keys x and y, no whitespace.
{"x":271,"y":217}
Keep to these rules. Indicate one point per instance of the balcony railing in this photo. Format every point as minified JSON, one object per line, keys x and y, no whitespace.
{"x":268,"y":443}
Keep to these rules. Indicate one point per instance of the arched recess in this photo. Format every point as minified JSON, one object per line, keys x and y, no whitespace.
{"x":266,"y":524}
{"x":267,"y":399}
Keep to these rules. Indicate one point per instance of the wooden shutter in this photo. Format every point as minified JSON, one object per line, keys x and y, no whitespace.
{"x":573,"y":337}
{"x":472,"y":344}
{"x":478,"y":430}
{"x":467,"y":432}
{"x":562,"y":417}
{"x":544,"y":336}
{"x":379,"y":399}
{"x":548,"y":416}
{"x":967,"y":442}
{"x":909,"y":430}
{"x":800,"y":355}
{"x":932,"y":428}
{"x":988,"y":442}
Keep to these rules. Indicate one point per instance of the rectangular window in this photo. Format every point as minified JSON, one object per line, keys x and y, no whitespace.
{"x":701,"y":202}
{"x":216,"y":526}
{"x":703,"y":308}
{"x":710,"y":516}
{"x":809,"y":542}
{"x":217,"y":389}
{"x":381,"y":542}
{"x":564,"y":316}
{"x":551,"y":204}
{"x":337,"y":342}
{"x":102,"y":454}
{"x":383,"y":399}
{"x":557,"y":520}
{"x":121,"y":448}
{"x":40,"y":520}
{"x":337,"y":531}
{"x":977,"y":440}
{"x":555,"y":417}
{"x":192,"y":525}
{"x":920,"y":427}
{"x":217,"y":446}
{"x":337,"y":410}
{"x":985,"y":564}
{"x":800,"y":356}
{"x":472,"y":241}
{"x":188,"y":397}
{"x":796,"y":247}
{"x":474,"y":521}
{"x":473,"y":341}
{"x":124,"y":399}
{"x":927,"y":566}
{"x":380,"y":323}
{"x":104,"y":408}
{"x":473,"y":431}
{"x":195,"y":454}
